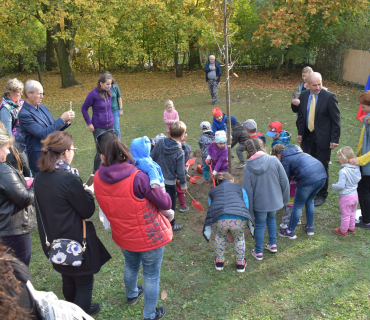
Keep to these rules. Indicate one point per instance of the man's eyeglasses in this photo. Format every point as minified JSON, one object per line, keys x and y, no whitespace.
{"x":100,"y":135}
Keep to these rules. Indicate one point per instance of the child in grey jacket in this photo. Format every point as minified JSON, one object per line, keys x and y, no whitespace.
{"x":349,"y":176}
{"x":267,"y":186}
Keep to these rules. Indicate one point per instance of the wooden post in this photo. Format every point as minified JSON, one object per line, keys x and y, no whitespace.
{"x":228,"y":131}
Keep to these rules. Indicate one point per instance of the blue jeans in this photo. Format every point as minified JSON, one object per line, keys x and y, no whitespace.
{"x":151,"y":261}
{"x":304,"y":197}
{"x":261,"y":219}
{"x":116,"y":122}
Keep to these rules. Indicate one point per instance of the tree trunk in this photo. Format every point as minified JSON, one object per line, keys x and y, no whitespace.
{"x":64,"y":49}
{"x":277,"y":70}
{"x":227,"y":87}
{"x":50,"y":62}
{"x":194,"y":56}
{"x":286,"y":70}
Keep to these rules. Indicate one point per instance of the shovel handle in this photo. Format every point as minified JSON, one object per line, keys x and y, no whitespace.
{"x":190,"y":195}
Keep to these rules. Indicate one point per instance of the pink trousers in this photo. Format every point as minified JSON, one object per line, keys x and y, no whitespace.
{"x":347,"y":207}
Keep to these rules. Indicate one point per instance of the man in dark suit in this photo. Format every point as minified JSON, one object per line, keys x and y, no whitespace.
{"x":318,"y":125}
{"x":37,"y":123}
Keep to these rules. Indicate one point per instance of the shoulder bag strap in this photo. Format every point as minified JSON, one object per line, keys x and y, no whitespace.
{"x":84,"y":242}
{"x":42,"y":222}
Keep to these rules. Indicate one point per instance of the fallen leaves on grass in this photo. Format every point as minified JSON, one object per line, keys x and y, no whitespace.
{"x":164,"y":295}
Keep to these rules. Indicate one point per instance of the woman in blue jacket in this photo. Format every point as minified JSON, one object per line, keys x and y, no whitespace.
{"x":310,"y":175}
{"x":213,"y":74}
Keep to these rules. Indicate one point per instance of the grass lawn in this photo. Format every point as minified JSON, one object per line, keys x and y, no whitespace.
{"x":320,"y":277}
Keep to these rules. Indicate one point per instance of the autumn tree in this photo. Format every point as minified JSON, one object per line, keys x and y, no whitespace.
{"x":63,"y":19}
{"x":288,"y":23}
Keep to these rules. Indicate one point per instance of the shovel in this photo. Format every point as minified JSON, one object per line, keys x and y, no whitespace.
{"x":197,"y":205}
{"x":209,"y":164}
{"x":190,"y":162}
{"x":196,"y":179}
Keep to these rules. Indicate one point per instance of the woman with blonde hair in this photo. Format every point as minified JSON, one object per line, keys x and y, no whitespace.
{"x":10,"y":106}
{"x":17,"y":219}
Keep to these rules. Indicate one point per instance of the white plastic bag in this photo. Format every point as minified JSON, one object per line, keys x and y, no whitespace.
{"x":51,"y":308}
{"x":104,"y":219}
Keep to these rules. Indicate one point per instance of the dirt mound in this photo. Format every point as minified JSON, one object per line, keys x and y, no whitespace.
{"x":200,"y":193}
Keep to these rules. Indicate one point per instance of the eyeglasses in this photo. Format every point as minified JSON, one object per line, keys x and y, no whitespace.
{"x":100,"y":135}
{"x":74,"y":149}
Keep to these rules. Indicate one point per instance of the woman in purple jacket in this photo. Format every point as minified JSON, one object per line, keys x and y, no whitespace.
{"x":99,"y":100}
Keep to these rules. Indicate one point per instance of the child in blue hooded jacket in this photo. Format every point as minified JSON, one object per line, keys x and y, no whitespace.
{"x":140,"y":151}
{"x":278,"y":135}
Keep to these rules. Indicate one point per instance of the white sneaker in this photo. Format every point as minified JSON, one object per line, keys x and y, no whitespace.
{"x":283,"y":225}
{"x":299,"y":222}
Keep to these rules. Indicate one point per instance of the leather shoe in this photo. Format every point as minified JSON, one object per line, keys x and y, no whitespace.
{"x":319,"y":201}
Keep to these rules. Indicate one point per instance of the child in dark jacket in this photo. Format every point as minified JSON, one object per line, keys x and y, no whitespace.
{"x":310,"y":176}
{"x":205,"y":140}
{"x":170,"y":157}
{"x":238,"y":135}
{"x":278,"y":135}
{"x":180,"y":193}
{"x":228,"y":211}
{"x":217,"y":152}
{"x":219,"y":120}
{"x":250,"y":127}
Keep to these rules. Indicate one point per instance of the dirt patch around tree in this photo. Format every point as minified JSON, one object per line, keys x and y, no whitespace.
{"x":195,"y":219}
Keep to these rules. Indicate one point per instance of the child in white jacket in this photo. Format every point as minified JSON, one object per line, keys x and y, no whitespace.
{"x":349,"y":176}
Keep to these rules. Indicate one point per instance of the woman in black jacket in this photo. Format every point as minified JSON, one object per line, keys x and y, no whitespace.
{"x":17,"y":219}
{"x":61,"y":204}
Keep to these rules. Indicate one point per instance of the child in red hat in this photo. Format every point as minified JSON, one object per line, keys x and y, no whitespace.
{"x":219,"y":120}
{"x":279,"y":135}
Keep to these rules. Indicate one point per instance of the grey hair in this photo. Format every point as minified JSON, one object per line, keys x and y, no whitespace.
{"x":211,"y":56}
{"x":30,"y":86}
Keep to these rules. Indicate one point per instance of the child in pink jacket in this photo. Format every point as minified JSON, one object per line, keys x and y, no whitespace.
{"x":170,"y":115}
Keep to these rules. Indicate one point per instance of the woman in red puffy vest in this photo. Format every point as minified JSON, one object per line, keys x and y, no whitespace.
{"x":138,"y":228}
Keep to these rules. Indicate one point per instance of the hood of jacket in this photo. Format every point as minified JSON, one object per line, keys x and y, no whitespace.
{"x":260,"y":164}
{"x":352,"y":172}
{"x":284,"y":135}
{"x":116,"y":172}
{"x":170,"y":146}
{"x":291,"y":150}
{"x":140,"y":148}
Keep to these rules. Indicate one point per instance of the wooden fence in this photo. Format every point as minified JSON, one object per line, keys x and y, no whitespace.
{"x":356,"y":66}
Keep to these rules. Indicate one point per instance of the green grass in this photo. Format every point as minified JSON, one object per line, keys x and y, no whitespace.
{"x":319,"y":277}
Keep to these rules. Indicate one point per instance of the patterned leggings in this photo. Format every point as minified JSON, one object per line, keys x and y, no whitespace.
{"x":213,"y":89}
{"x":236,"y":228}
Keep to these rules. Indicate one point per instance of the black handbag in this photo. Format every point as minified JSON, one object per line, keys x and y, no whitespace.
{"x":65,"y":252}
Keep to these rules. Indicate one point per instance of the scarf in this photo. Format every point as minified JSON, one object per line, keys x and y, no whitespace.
{"x":62,"y":165}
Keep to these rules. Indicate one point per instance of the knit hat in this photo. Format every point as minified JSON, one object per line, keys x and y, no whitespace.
{"x":205,"y":125}
{"x":220,"y":136}
{"x":250,"y":125}
{"x":233,"y":120}
{"x":216,"y":112}
{"x":274,"y":128}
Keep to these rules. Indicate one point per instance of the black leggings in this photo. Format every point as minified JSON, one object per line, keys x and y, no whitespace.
{"x":78,"y":290}
{"x":21,"y":244}
{"x":363,"y":190}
